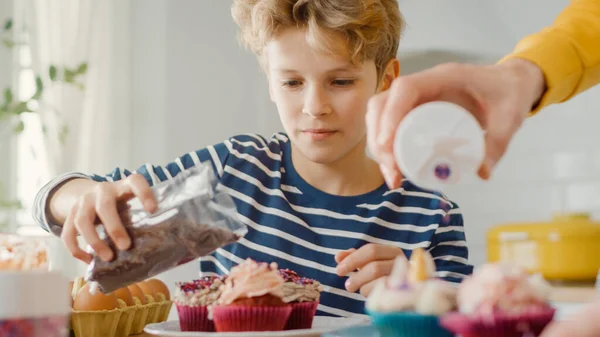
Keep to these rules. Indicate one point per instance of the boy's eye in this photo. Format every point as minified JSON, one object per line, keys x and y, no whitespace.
{"x":342,"y":83}
{"x":292,"y":83}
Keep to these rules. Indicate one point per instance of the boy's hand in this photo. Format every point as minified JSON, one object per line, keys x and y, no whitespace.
{"x":99,"y":205}
{"x":372,"y":262}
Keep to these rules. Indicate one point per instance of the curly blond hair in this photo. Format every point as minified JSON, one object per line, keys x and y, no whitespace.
{"x":372,"y":28}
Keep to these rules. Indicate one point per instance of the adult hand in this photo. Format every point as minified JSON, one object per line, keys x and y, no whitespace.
{"x":499,"y":97}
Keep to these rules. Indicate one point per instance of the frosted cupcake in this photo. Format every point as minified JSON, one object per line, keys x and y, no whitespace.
{"x":410,"y":301}
{"x":501,"y":300}
{"x":252,"y":299}
{"x":192,"y":300}
{"x":303,"y":294}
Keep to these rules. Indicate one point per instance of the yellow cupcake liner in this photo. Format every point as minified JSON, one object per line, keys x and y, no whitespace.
{"x":139,"y":316}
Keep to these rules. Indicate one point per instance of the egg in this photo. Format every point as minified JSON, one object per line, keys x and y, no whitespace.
{"x":137,"y":292}
{"x":125,"y":295}
{"x":159,"y":287}
{"x":148,"y":289}
{"x":86,"y":301}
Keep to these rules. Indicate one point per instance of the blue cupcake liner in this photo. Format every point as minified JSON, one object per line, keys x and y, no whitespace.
{"x":407,"y":324}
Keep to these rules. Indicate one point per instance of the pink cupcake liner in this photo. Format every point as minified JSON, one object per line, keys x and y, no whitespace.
{"x":302,"y":315}
{"x":250,"y":318}
{"x":194,"y":319}
{"x":532,"y":323}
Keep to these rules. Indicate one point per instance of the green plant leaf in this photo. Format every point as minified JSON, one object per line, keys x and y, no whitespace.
{"x":11,"y":204}
{"x":8,"y":96}
{"x":8,"y":43}
{"x":82,"y":69}
{"x":21,"y":108}
{"x":19,"y":127}
{"x":8,"y":25}
{"x":69,"y":76}
{"x":39,"y":88}
{"x":53,"y":72}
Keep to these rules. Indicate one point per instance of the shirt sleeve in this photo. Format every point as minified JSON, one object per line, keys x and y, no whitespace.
{"x":449,"y":248}
{"x":567,"y":52}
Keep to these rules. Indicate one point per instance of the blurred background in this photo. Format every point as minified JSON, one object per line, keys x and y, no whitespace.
{"x":96,"y":84}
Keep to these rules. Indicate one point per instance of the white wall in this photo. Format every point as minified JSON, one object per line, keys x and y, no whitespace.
{"x":193,"y":86}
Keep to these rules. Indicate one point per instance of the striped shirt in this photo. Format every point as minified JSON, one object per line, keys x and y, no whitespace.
{"x":302,"y":228}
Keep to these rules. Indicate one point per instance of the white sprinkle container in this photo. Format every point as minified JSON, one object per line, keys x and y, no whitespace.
{"x":439,"y":144}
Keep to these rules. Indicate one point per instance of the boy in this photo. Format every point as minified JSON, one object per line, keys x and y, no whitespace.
{"x":313,"y":200}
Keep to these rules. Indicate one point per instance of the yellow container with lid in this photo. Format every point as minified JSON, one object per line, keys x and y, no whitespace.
{"x":564,"y":249}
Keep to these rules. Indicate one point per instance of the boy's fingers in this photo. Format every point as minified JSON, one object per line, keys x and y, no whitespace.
{"x":369,"y":273}
{"x":84,"y":222}
{"x":106,"y":208}
{"x":366,"y":254}
{"x":141,"y":189}
{"x":366,"y":289}
{"x":69,"y":237}
{"x":339,"y":257}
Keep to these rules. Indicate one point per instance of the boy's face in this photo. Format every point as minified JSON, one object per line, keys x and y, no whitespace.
{"x":321,"y":99}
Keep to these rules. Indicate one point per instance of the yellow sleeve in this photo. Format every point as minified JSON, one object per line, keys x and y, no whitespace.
{"x":568,"y":52}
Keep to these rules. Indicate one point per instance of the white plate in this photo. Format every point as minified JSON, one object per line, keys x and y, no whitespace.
{"x":320,"y":325}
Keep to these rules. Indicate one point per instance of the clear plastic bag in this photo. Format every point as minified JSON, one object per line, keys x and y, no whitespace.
{"x":194,"y":218}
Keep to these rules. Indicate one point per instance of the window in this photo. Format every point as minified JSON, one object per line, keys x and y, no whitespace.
{"x":31,"y":161}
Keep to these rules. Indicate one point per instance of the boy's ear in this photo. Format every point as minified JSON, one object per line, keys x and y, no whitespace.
{"x":390,"y":73}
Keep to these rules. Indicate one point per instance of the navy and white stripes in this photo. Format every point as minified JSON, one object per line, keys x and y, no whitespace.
{"x":302,"y":228}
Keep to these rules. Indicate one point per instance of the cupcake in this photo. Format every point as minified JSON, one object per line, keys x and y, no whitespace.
{"x":410,"y":300}
{"x":501,"y":300}
{"x":303,"y":295}
{"x":192,"y":300}
{"x":251,"y":299}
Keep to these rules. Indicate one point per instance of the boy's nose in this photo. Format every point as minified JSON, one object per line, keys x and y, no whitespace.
{"x":316,"y":104}
{"x":316,"y":112}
